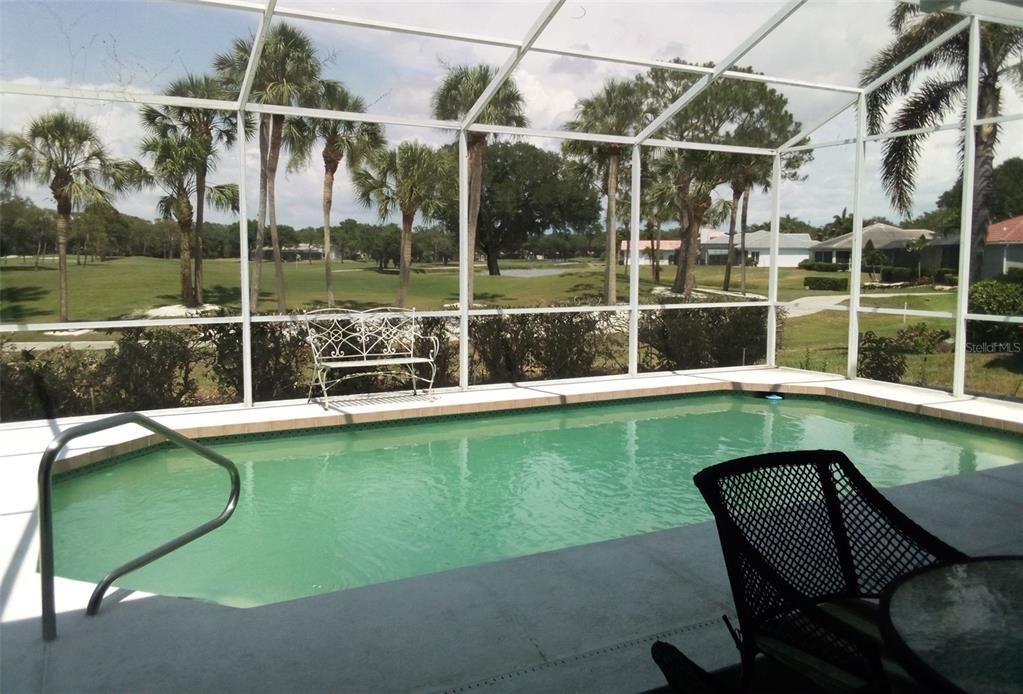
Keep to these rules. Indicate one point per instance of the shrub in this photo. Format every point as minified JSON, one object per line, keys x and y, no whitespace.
{"x":836,"y":284}
{"x":151,"y":369}
{"x":999,"y":296}
{"x":552,"y":345}
{"x":947,"y":276}
{"x":703,"y":337}
{"x":919,"y":339}
{"x":446,"y":358}
{"x":898,"y":274}
{"x":822,"y":267}
{"x":49,"y":383}
{"x":501,"y":345}
{"x":567,"y":345}
{"x":880,"y":358}
{"x":281,"y":359}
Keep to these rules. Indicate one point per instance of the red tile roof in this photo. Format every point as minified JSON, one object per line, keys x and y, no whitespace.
{"x":1006,"y":231}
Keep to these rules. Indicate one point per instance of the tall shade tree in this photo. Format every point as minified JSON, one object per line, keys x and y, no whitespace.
{"x":288,"y":74}
{"x":527,"y":192}
{"x":721,"y":111}
{"x":617,"y":109}
{"x":406,"y":179}
{"x":462,"y":86}
{"x":340,"y":138}
{"x":210,"y":129}
{"x":934,"y":88}
{"x":175,"y":158}
{"x":65,"y":152}
{"x":765,"y":122}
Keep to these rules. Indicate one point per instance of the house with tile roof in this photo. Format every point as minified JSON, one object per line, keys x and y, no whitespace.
{"x":1003,"y":249}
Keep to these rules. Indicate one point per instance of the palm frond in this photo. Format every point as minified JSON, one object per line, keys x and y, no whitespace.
{"x":223,"y":197}
{"x":912,"y":36}
{"x":927,"y":106}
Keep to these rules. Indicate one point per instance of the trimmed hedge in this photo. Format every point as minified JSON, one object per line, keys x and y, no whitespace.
{"x":999,"y":296}
{"x":526,"y":347}
{"x":822,"y":267}
{"x":835,"y":284}
{"x":898,"y":274}
{"x":947,"y":276}
{"x":704,"y":337}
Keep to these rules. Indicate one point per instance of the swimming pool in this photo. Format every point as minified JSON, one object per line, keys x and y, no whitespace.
{"x":329,"y":510}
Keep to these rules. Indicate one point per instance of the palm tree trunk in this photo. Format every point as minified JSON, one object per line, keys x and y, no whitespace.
{"x":477,"y":144}
{"x":656,"y":260}
{"x":200,"y":206}
{"x":184,"y":217}
{"x":405,"y":256}
{"x":63,"y":220}
{"x":733,"y":213}
{"x":611,"y":247}
{"x":743,"y":224}
{"x":984,"y":160}
{"x":678,"y":285}
{"x":273,"y":157}
{"x":264,"y":145}
{"x":329,"y":169}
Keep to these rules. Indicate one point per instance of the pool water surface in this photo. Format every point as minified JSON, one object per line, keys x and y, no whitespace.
{"x":330,"y":510}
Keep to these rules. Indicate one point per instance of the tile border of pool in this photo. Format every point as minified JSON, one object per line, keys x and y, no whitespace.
{"x":394,"y":407}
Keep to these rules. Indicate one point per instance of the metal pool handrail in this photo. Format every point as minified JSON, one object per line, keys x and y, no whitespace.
{"x":46,"y":509}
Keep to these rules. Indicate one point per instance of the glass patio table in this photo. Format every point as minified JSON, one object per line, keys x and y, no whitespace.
{"x":958,"y":626}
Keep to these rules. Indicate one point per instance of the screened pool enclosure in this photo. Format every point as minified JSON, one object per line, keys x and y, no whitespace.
{"x":836,"y":150}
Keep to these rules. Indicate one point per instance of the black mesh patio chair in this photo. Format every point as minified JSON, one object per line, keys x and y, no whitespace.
{"x":809,"y":546}
{"x":683,"y":675}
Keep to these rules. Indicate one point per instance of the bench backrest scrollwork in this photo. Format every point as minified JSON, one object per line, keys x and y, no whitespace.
{"x":339,"y":336}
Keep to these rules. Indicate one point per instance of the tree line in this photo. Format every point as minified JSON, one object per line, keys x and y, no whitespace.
{"x":413,"y":181}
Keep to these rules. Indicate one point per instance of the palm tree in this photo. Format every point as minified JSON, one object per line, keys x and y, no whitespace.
{"x":657,"y":208}
{"x":938,"y":84}
{"x":615,"y":110}
{"x":176,"y":157}
{"x":209,"y":129}
{"x":462,"y":86}
{"x":407,"y":179}
{"x":340,"y":138}
{"x":65,"y":152}
{"x":288,"y":74}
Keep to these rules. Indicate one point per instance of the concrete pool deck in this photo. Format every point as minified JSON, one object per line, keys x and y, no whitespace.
{"x":578,"y":619}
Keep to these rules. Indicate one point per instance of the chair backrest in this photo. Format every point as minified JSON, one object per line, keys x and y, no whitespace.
{"x":806,"y":526}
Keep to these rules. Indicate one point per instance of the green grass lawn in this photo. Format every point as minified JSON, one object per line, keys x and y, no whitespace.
{"x":126,"y":287}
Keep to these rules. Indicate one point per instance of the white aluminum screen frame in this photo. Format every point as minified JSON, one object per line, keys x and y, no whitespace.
{"x":269,"y":10}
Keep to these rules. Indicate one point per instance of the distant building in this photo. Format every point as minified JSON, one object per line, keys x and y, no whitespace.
{"x":1003,"y":249}
{"x":298,"y":252}
{"x":668,"y":248}
{"x":889,"y":240}
{"x":792,"y":248}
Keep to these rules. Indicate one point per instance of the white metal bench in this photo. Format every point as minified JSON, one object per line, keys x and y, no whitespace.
{"x":376,"y":342}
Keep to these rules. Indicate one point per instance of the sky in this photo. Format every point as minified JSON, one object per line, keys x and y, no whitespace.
{"x":142,"y":45}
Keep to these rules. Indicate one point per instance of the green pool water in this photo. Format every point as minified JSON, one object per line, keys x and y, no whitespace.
{"x":326,"y":511}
